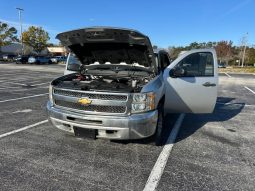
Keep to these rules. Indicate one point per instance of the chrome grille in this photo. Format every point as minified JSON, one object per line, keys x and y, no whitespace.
{"x":92,"y":108}
{"x":91,"y":95}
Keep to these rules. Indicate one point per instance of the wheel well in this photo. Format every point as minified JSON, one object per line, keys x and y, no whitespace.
{"x":161,"y":101}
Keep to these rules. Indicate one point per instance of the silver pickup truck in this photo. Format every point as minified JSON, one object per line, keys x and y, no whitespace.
{"x":123,"y":89}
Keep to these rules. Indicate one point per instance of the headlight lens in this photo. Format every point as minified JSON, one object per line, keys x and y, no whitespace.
{"x":143,"y":102}
{"x":138,"y":106}
{"x":139,"y":97}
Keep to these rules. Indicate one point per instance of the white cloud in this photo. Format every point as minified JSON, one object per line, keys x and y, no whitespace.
{"x":17,"y":24}
{"x":237,"y":7}
{"x":25,"y":26}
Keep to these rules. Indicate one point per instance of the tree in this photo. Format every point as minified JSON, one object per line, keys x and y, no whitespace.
{"x":224,"y":51}
{"x":36,"y":38}
{"x":7,"y":34}
{"x":251,"y":55}
{"x":175,"y":51}
{"x":196,"y":45}
{"x":244,"y":42}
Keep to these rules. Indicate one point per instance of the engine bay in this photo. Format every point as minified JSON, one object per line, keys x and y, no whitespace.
{"x":101,"y":83}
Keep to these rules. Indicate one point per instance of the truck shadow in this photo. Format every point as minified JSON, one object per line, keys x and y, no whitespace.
{"x":224,"y":110}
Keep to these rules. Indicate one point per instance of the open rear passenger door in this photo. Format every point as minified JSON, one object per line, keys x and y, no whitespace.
{"x":191,"y":82}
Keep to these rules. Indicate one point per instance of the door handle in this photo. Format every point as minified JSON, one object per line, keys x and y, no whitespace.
{"x":208,"y":84}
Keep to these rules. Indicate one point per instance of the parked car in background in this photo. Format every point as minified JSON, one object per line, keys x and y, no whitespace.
{"x":39,"y":60}
{"x":22,"y":59}
{"x":9,"y":57}
{"x":57,"y":59}
{"x":221,"y":65}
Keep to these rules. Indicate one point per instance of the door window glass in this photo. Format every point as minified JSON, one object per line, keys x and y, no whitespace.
{"x":197,"y":64}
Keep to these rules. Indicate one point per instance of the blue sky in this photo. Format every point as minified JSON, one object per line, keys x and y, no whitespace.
{"x":166,"y":22}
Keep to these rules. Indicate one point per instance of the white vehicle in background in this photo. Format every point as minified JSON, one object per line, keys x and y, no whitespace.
{"x":72,"y":64}
{"x":58,"y":59}
{"x":39,"y":60}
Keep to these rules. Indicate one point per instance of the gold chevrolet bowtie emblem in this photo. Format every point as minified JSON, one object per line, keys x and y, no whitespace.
{"x":84,"y":101}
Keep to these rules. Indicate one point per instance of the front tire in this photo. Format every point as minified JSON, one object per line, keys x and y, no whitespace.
{"x":160,"y":127}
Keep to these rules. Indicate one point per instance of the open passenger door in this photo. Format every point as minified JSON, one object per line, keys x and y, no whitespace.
{"x":191,"y":82}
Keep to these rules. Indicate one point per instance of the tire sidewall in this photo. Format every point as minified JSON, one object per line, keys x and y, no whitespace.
{"x":160,"y":126}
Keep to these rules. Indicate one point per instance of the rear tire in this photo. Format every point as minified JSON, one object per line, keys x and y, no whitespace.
{"x":160,"y":127}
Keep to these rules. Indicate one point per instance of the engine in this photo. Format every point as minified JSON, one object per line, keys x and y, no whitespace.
{"x":102,"y":83}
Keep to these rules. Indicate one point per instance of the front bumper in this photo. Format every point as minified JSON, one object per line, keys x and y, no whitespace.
{"x":135,"y":126}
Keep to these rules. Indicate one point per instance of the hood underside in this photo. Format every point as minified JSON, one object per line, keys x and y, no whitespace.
{"x":109,"y":45}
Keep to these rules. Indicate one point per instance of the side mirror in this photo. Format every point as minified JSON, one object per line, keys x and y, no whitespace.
{"x":73,"y":67}
{"x":177,"y":72}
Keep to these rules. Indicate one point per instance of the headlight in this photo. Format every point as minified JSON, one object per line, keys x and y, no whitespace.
{"x":50,"y":94}
{"x":139,"y":97}
{"x":143,"y":102}
{"x":138,"y":106}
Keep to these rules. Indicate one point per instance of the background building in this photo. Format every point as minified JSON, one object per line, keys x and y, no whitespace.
{"x":15,"y":49}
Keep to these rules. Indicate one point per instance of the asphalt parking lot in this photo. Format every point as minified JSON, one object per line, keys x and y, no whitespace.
{"x":211,"y":151}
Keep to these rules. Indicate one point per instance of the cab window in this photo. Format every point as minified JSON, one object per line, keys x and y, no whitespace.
{"x":197,"y":64}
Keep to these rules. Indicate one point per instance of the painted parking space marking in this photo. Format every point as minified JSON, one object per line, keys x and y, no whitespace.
{"x":6,"y":87}
{"x":28,"y":84}
{"x":16,"y":83}
{"x":20,"y":89}
{"x":160,"y":164}
{"x":19,"y":79}
{"x":23,"y":111}
{"x":249,"y":89}
{"x":227,"y":74}
{"x":40,"y":84}
{"x":23,"y":128}
{"x":244,"y":104}
{"x":21,"y":98}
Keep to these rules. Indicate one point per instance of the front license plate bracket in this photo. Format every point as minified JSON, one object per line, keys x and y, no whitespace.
{"x":85,"y":133}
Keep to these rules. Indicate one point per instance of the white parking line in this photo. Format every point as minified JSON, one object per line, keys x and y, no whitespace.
{"x":249,"y":89}
{"x":21,"y":84}
{"x":227,"y":74}
{"x":25,"y":90}
{"x":15,"y":83}
{"x":40,"y":84}
{"x":244,"y":104}
{"x":23,"y":111}
{"x":2,"y":80}
{"x":23,"y":128}
{"x":160,"y":164}
{"x":6,"y":87}
{"x":20,"y":98}
{"x":15,"y":74}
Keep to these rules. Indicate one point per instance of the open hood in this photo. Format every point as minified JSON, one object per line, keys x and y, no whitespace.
{"x":106,"y":45}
